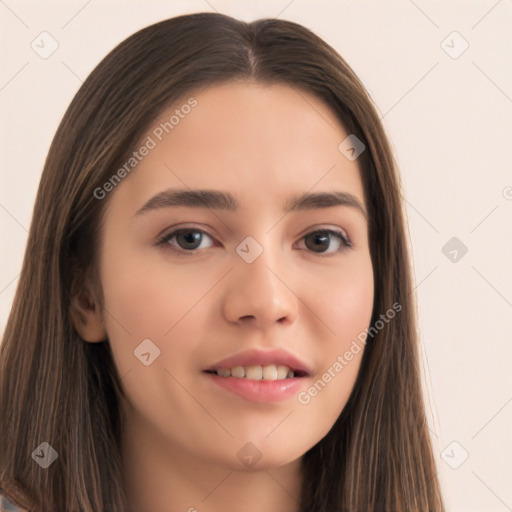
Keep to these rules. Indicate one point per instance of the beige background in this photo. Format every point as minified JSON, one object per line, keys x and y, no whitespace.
{"x":450,"y":120}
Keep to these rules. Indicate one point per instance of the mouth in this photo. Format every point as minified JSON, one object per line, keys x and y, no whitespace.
{"x":269,"y":372}
{"x":260,"y":376}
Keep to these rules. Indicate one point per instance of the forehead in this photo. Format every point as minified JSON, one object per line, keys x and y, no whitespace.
{"x":256,"y":140}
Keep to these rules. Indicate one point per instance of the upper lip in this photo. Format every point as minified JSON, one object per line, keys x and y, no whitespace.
{"x":263,"y":358}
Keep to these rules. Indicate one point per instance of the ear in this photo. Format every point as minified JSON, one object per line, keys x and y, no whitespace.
{"x":86,"y":313}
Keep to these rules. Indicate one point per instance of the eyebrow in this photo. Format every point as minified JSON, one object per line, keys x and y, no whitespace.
{"x":219,"y":200}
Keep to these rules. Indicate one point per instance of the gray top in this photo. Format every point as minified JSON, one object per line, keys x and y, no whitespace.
{"x":7,"y":504}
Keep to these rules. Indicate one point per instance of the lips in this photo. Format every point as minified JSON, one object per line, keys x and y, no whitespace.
{"x":263,"y":358}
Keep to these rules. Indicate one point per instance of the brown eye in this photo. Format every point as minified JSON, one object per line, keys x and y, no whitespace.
{"x":189,"y":239}
{"x":321,"y":240}
{"x":184,"y":240}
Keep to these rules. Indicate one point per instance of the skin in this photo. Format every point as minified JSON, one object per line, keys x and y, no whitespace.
{"x":182,"y":433}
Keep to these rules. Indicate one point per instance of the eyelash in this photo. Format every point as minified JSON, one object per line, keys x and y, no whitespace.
{"x":164,"y":241}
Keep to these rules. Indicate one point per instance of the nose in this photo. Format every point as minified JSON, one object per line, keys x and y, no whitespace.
{"x":260,"y":293}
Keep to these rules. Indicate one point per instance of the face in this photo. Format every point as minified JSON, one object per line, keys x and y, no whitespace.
{"x":247,"y":286}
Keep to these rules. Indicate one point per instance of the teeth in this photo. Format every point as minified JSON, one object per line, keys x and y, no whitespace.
{"x":254,"y":372}
{"x":270,"y":372}
{"x":282,"y":372}
{"x":237,"y":371}
{"x":257,"y":372}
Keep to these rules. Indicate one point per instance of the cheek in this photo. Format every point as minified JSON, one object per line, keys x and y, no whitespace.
{"x":148,"y":298}
{"x":343,"y":301}
{"x":352,"y":303}
{"x":345,"y":305}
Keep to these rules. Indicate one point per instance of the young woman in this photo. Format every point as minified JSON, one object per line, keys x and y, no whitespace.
{"x":214,"y":310}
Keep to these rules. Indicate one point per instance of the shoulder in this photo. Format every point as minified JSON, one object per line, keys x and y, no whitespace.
{"x":8,"y":505}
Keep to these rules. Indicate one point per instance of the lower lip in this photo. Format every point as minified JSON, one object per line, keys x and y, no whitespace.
{"x":259,"y":390}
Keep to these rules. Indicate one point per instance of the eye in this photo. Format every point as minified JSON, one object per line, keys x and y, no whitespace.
{"x":188,"y":239}
{"x":321,"y":239}
{"x":185,"y":241}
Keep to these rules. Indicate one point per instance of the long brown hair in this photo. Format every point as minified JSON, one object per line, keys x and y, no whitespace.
{"x":56,"y":388}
